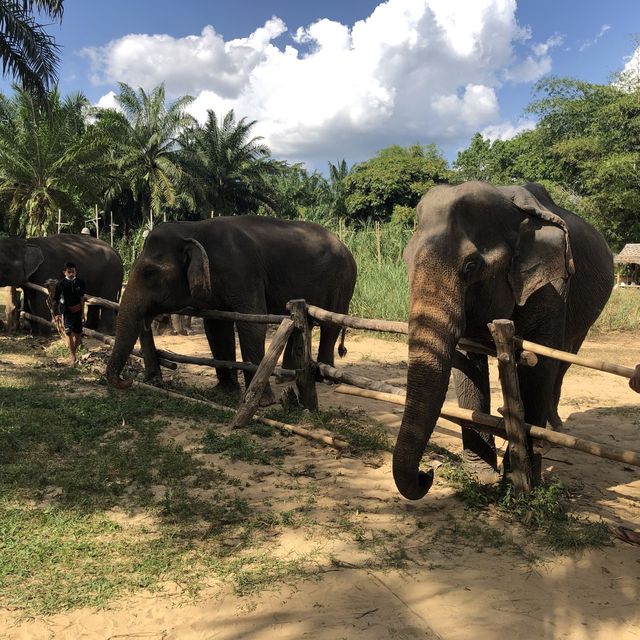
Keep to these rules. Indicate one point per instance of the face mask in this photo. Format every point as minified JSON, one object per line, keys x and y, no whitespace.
{"x":71,"y":279}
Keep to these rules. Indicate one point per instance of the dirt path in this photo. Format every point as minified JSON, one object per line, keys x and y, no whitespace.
{"x":413,"y":570}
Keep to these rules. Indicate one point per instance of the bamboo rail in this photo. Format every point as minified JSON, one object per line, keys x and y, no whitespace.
{"x":493,"y":424}
{"x":212,"y":314}
{"x":219,"y":364}
{"x":564,"y":356}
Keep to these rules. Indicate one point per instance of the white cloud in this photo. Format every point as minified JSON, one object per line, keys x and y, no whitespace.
{"x":589,"y":43}
{"x":533,"y":67}
{"x":507,"y":130}
{"x":108,"y":101}
{"x":629,"y":78}
{"x":414,"y":70}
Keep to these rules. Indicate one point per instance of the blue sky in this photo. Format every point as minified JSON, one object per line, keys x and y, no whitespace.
{"x":329,"y":80}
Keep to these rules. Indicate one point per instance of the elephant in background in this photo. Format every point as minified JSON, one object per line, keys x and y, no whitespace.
{"x":40,"y":259}
{"x":481,"y":253}
{"x":247,"y":264}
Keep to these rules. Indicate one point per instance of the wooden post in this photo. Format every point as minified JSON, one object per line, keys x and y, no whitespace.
{"x":12,"y":309}
{"x":113,"y":227}
{"x":252,"y":396}
{"x":376,"y":228}
{"x":520,"y":444}
{"x":301,"y":351}
{"x":97,"y":223}
{"x":59,"y":220}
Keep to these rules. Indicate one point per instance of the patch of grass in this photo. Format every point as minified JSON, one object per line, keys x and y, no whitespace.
{"x":237,"y":446}
{"x":547,"y":510}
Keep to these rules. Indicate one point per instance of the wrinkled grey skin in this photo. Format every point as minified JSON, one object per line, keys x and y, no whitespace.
{"x":247,"y":264}
{"x":481,"y":253}
{"x":40,"y":259}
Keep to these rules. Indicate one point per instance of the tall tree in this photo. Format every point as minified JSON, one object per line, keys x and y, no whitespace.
{"x":47,"y":161}
{"x":396,"y":176}
{"x":143,"y":138}
{"x":28,"y":53}
{"x":229,"y":168}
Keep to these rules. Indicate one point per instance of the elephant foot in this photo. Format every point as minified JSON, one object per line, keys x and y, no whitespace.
{"x":228,"y":389}
{"x":476,"y":467}
{"x":153,"y":377}
{"x":268,"y":398}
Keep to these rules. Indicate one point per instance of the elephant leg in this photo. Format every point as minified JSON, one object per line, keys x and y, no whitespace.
{"x":107,"y":322}
{"x":471,"y":378}
{"x":328,"y":337}
{"x":93,"y":316}
{"x":150,"y":356}
{"x":36,"y":303}
{"x":252,"y":337}
{"x":222,"y":341}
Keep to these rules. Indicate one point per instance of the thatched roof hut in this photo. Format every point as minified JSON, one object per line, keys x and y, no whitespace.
{"x":629,"y":255}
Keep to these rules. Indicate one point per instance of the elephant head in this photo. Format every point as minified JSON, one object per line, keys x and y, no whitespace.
{"x":19,"y":259}
{"x":477,"y":252}
{"x":172,"y":272}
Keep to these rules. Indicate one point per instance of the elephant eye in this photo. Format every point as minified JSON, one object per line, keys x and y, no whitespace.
{"x":471,"y":267}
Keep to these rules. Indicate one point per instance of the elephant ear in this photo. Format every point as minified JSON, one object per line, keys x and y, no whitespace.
{"x":198,"y":273}
{"x":543,"y":249}
{"x":33,"y":258}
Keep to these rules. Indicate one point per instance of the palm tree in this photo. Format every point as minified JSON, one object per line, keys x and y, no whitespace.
{"x":47,"y":161}
{"x":28,"y":53}
{"x":337,"y":174}
{"x":144,"y":144}
{"x":228,"y":167}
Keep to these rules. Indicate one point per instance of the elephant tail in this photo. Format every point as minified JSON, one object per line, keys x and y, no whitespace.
{"x":342,"y":350}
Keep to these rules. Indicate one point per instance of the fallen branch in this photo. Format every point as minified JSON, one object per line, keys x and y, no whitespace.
{"x":493,"y":424}
{"x":336,"y":443}
{"x":340,"y":375}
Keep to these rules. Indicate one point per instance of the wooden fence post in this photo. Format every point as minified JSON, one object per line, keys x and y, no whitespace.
{"x":378,"y":234}
{"x":520,"y":444}
{"x":252,"y":395}
{"x":301,"y":351}
{"x":12,"y":310}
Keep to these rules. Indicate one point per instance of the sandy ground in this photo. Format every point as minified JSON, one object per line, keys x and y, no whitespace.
{"x":449,"y":588}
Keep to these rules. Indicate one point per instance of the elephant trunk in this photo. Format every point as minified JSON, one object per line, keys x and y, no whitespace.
{"x":436,"y":322}
{"x":127,"y":331}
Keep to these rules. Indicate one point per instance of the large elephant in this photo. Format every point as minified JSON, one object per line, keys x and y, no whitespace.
{"x":481,"y":253}
{"x":248,"y":264}
{"x":37,"y":260}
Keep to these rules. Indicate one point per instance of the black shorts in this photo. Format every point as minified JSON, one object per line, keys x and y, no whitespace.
{"x":72,"y":322}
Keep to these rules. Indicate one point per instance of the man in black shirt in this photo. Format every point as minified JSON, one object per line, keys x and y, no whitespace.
{"x":68,"y":302}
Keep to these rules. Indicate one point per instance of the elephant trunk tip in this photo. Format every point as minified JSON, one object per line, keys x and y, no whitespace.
{"x":417,"y":487}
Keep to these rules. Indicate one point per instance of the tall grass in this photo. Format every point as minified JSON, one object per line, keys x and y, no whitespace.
{"x":622,"y":312}
{"x":382,"y":289}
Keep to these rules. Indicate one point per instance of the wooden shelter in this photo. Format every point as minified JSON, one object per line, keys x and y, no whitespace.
{"x":630,"y":255}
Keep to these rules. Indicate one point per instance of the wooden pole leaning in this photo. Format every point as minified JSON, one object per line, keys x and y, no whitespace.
{"x":301,"y":352}
{"x":520,"y":444}
{"x":251,"y":400}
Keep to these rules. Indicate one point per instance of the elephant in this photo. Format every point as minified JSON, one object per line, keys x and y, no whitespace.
{"x":247,"y":264}
{"x":481,"y":253}
{"x":40,"y":259}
